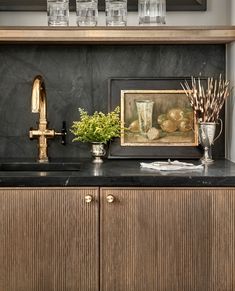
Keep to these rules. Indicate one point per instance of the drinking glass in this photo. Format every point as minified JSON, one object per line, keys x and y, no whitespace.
{"x":87,"y":12}
{"x":152,"y":12}
{"x":116,"y":12}
{"x":58,"y":12}
{"x":145,"y":115}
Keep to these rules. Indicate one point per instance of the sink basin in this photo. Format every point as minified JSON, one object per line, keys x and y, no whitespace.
{"x":33,"y":166}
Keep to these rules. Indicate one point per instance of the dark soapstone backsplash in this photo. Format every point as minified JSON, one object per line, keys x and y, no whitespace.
{"x":77,"y":76}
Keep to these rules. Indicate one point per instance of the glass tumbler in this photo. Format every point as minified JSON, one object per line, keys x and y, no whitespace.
{"x":58,"y":12}
{"x":145,"y":115}
{"x":152,"y":12}
{"x":116,"y":12}
{"x":87,"y":12}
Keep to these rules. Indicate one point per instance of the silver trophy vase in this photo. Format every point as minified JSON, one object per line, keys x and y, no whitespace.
{"x":98,"y":151}
{"x":207,"y":139}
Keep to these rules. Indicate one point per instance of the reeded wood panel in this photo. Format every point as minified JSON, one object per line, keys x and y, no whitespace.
{"x":168,"y":240}
{"x":48,"y":240}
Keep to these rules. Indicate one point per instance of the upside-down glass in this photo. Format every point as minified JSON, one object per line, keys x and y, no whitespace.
{"x":152,"y":12}
{"x":87,"y":12}
{"x":58,"y":12}
{"x":116,"y":12}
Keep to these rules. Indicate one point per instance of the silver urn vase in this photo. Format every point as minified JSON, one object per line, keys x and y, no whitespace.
{"x":207,"y":139}
{"x":98,"y":152}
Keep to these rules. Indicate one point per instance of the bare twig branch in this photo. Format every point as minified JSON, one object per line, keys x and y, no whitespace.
{"x":207,"y":102}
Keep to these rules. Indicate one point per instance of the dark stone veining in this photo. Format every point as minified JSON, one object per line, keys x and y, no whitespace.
{"x":77,"y":76}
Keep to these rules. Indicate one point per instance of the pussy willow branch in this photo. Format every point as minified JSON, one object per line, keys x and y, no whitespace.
{"x":207,"y":102}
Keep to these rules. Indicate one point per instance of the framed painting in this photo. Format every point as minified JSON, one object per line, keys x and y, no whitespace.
{"x":170,"y":131}
{"x":41,"y":5}
{"x":157,"y":118}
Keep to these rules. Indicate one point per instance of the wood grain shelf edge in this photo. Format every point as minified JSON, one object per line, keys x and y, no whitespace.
{"x":125,"y":35}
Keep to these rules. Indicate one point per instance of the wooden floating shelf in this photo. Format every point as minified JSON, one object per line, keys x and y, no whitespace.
{"x":123,"y":35}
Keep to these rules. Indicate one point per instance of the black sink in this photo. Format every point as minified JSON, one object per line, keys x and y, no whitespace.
{"x":44,"y":167}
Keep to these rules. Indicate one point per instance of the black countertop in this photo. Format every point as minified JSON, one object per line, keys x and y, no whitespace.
{"x":126,"y":173}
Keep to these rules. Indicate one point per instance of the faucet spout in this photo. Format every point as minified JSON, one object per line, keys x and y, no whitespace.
{"x":39,"y":98}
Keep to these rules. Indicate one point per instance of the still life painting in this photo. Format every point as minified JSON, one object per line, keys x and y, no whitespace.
{"x":157,"y":118}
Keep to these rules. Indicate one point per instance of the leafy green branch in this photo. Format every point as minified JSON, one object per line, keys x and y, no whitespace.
{"x":98,"y":127}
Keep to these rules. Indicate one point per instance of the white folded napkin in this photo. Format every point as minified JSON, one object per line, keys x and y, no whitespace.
{"x":171,"y":166}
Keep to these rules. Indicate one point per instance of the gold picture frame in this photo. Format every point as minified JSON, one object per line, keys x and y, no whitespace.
{"x":157,"y":118}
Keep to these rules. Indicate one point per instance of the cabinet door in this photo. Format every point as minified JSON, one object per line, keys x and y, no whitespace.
{"x":48,"y":240}
{"x":168,"y":239}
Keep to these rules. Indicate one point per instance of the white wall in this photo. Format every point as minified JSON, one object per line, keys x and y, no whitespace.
{"x":216,"y":14}
{"x":230,"y":108}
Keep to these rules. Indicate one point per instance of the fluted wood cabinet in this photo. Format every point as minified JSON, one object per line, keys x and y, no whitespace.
{"x":168,"y":239}
{"x":49,"y":240}
{"x":117,"y":239}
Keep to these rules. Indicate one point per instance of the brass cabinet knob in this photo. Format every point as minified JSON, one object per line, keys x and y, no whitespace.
{"x":88,"y":198}
{"x":110,"y":198}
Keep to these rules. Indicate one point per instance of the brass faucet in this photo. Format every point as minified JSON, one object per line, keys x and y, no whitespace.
{"x":42,"y":133}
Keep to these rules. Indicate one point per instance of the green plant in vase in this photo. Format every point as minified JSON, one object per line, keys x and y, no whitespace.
{"x":97,"y":129}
